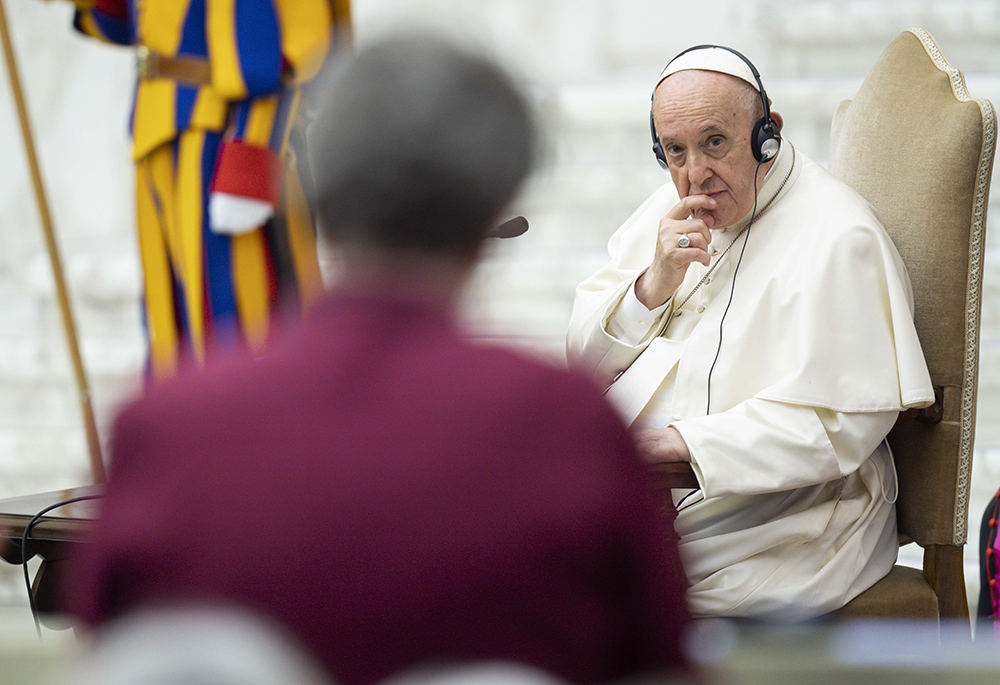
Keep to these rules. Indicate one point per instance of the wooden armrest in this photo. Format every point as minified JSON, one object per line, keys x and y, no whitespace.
{"x":674,"y":475}
{"x":931,"y":414}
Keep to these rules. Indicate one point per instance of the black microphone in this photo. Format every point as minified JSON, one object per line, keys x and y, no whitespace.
{"x":510,"y":228}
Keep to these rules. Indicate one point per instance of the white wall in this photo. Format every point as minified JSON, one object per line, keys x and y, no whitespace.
{"x":589,"y":65}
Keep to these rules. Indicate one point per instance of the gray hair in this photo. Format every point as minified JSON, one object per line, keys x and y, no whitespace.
{"x":418,"y":144}
{"x":749,"y":100}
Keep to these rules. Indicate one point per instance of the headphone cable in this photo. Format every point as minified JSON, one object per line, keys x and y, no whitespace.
{"x":732,"y":292}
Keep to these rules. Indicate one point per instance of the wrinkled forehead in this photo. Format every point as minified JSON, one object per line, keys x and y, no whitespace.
{"x":692,"y":91}
{"x":710,"y":58}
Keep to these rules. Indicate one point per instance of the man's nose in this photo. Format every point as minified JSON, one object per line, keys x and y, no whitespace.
{"x":698,"y":170}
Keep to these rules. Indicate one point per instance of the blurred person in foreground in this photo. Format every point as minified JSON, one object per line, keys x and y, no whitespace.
{"x":387,"y":489}
{"x":756,"y":321}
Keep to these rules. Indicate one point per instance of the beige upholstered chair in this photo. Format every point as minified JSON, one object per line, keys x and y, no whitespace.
{"x":920,"y":149}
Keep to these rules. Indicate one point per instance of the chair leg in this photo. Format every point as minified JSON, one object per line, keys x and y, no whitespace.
{"x":944,"y":569}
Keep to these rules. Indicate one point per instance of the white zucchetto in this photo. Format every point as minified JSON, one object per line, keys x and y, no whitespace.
{"x":710,"y":59}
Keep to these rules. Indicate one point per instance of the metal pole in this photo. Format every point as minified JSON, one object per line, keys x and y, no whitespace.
{"x":62,"y":293}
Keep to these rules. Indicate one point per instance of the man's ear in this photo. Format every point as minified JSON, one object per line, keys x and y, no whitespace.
{"x":778,"y":121}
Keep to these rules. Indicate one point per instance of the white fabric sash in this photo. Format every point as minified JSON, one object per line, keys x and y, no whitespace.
{"x":632,"y":390}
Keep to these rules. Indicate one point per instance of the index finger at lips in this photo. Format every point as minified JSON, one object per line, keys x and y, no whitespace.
{"x":701,"y":205}
{"x":684,"y":208}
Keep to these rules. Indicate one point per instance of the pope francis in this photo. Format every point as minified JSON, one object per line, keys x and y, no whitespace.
{"x":756,"y":320}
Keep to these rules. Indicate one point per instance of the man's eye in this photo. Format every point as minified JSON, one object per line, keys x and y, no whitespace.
{"x":715,"y":142}
{"x":674,"y":150}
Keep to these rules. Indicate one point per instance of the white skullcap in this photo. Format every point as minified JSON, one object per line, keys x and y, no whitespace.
{"x":710,"y":58}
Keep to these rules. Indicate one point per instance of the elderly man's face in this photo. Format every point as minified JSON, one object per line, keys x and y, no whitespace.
{"x":704,"y":127}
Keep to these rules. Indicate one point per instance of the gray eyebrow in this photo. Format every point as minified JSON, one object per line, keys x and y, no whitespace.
{"x":708,"y":129}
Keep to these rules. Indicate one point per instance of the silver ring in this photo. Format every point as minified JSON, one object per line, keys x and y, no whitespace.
{"x":683,"y":240}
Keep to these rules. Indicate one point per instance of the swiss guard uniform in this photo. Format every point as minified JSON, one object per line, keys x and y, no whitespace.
{"x":226,"y":236}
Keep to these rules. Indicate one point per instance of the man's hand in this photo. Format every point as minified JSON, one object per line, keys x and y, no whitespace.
{"x":670,"y":260}
{"x":658,"y":445}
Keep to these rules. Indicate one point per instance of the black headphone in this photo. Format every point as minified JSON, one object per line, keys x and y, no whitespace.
{"x":765,"y":138}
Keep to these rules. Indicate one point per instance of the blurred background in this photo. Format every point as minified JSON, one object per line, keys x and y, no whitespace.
{"x":588,"y":65}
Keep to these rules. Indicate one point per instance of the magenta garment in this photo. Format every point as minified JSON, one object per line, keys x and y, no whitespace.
{"x":993,"y":567}
{"x":993,"y":591}
{"x":393,"y":493}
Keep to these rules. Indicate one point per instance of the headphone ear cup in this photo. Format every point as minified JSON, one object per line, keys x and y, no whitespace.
{"x":661,"y":157}
{"x":765,"y":140}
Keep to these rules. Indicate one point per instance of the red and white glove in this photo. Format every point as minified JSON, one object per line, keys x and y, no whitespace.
{"x":246,"y":187}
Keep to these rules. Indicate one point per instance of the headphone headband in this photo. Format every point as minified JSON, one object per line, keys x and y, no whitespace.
{"x":741,"y":56}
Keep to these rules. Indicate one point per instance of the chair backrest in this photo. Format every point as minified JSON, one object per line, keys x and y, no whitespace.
{"x":920,"y":150}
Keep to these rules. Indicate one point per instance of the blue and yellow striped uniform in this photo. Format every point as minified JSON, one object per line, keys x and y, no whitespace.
{"x":205,"y":291}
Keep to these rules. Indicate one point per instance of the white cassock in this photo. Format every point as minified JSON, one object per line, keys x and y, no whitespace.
{"x":818,"y":354}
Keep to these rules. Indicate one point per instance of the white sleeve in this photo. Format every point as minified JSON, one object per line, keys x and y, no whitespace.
{"x":592,"y":344}
{"x":631,"y":321}
{"x":605,"y":348}
{"x":763,"y":446}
